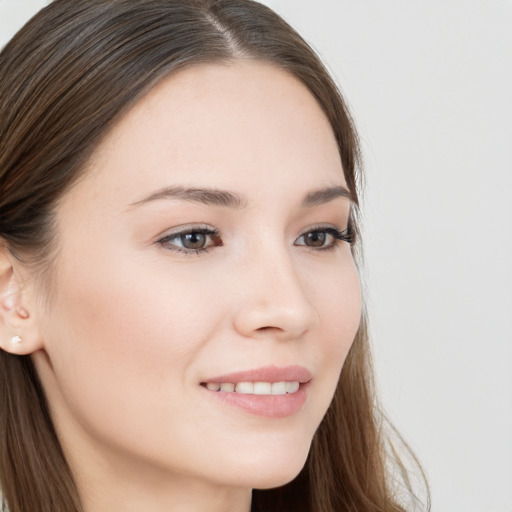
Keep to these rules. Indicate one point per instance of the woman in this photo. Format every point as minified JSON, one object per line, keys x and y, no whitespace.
{"x":178,"y":204}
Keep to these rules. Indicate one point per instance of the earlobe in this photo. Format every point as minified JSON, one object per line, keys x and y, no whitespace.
{"x":18,"y":331}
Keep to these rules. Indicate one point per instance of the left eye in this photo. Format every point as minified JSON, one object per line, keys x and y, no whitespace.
{"x":322,"y":238}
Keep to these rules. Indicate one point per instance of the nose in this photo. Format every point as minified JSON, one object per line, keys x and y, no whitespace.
{"x":273,"y":300}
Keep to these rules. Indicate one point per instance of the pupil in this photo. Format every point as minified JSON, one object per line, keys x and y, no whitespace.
{"x":315,"y":238}
{"x":193,"y":240}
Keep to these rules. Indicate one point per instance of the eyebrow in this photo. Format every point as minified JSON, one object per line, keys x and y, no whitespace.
{"x":325,"y":195}
{"x":208,"y":196}
{"x":225,"y":198}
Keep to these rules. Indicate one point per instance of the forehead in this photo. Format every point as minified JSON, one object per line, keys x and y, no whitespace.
{"x":235,"y":126}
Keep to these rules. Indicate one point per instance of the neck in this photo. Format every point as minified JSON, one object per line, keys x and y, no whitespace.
{"x":178,"y":495}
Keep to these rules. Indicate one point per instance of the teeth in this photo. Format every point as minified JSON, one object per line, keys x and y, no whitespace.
{"x":262,"y":388}
{"x":292,"y":387}
{"x":279,"y":388}
{"x":245,"y":387}
{"x":255,"y":388}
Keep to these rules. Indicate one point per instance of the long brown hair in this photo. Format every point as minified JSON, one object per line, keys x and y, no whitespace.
{"x":67,"y":77}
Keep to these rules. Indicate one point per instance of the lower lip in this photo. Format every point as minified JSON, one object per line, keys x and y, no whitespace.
{"x":270,"y":406}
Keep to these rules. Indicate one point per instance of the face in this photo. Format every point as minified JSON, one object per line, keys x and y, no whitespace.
{"x":206,"y":247}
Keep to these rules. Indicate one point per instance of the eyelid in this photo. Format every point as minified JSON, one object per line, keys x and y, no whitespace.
{"x":324,"y":227}
{"x":186,"y":228}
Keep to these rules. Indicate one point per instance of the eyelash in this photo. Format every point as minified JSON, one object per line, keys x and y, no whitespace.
{"x":337,"y":235}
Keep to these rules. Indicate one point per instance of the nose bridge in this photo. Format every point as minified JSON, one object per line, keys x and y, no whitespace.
{"x":274,"y":297}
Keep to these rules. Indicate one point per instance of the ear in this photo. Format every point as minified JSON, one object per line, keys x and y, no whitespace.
{"x":19,"y":333}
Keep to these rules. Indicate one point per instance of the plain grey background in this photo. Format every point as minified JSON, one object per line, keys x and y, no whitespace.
{"x":429,"y":84}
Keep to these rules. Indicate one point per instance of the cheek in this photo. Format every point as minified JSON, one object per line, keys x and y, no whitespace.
{"x":126,"y":343}
{"x":339,"y":307}
{"x":137,"y":308}
{"x":338,"y":296}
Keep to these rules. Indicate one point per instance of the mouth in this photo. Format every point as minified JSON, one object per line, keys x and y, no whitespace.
{"x":271,"y":391}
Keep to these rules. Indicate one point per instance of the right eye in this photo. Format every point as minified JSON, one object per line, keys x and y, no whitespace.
{"x":191,"y":240}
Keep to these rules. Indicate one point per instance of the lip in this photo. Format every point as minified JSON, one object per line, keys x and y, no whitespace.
{"x":266,"y":374}
{"x":268,"y":406}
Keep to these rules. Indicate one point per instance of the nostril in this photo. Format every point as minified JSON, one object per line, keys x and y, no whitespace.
{"x":269,"y":329}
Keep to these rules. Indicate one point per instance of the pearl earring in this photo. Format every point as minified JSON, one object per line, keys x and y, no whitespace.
{"x":16,"y":340}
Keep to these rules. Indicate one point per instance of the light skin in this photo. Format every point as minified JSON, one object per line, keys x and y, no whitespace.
{"x":135,"y":323}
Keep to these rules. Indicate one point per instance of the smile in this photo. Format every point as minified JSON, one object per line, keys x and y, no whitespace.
{"x":270,"y":391}
{"x":255,"y":388}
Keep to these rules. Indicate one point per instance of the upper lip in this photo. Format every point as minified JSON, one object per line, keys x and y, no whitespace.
{"x":265,"y":374}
